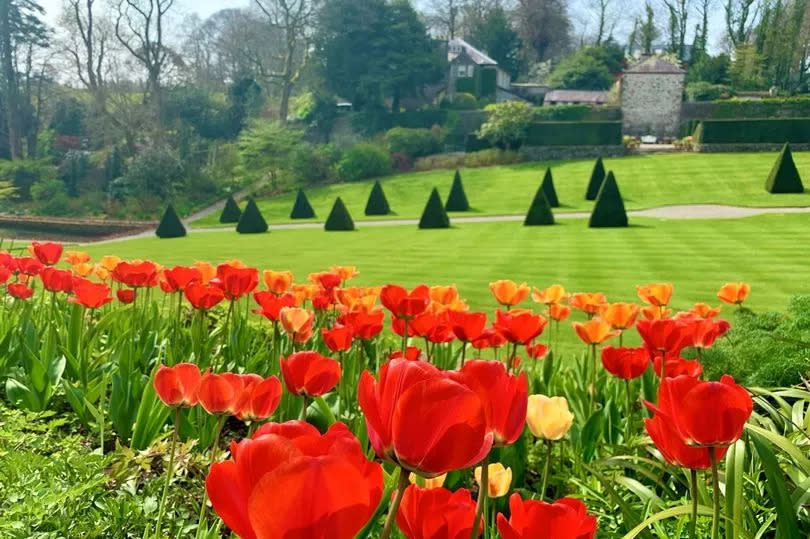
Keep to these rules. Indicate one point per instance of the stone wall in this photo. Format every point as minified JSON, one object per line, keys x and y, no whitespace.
{"x":749,"y":147}
{"x":651,"y":103}
{"x":553,"y":153}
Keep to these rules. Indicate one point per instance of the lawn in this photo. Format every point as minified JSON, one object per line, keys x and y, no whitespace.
{"x":645,"y":181}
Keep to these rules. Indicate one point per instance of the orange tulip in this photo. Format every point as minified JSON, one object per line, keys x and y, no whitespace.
{"x":277,"y":282}
{"x":345,"y":272}
{"x":297,"y":322}
{"x":734,"y":293}
{"x":207,"y":271}
{"x":657,"y":294}
{"x":444,"y":295}
{"x":595,"y":331}
{"x":620,"y":315}
{"x":558,"y":312}
{"x":101,"y":272}
{"x":589,"y":303}
{"x":234,"y":263}
{"x":83,"y":269}
{"x":653,"y":312}
{"x":109,"y":262}
{"x":76,"y":257}
{"x":553,"y":295}
{"x":304,"y":292}
{"x":702,"y":310}
{"x":508,"y":292}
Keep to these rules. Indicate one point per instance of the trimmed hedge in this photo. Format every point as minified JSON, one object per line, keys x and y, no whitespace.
{"x":577,"y":113}
{"x":170,"y":225}
{"x":540,"y":211}
{"x":596,"y":181}
{"x":784,"y":177}
{"x":363,"y":161}
{"x":574,"y":134}
{"x":457,"y":199}
{"x":779,"y":107}
{"x":412,"y":142}
{"x":377,"y":203}
{"x":302,"y":209}
{"x":772,"y":131}
{"x":434,"y":215}
{"x":339,"y":218}
{"x":608,"y":212}
{"x":251,"y":221}
{"x":548,"y":189}
{"x":231,"y":212}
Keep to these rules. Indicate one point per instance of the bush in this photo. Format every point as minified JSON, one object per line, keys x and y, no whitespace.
{"x":170,"y":225}
{"x":231,"y":212}
{"x":377,"y":203}
{"x":582,"y":71}
{"x":775,"y":131}
{"x":364,"y":161}
{"x":267,"y":147}
{"x":597,"y":178}
{"x":609,"y":210}
{"x":548,"y":189}
{"x":461,"y":101}
{"x":577,"y":113}
{"x":574,"y":134}
{"x":507,"y":124}
{"x":483,"y":158}
{"x":302,"y":209}
{"x":155,"y":172}
{"x":434,"y":215}
{"x":69,"y":118}
{"x":412,"y":142}
{"x":705,"y":91}
{"x":251,"y":221}
{"x":784,"y":177}
{"x":457,"y":199}
{"x":22,"y":174}
{"x":314,"y":163}
{"x":775,"y":107}
{"x":50,"y":196}
{"x":339,"y":218}
{"x":540,"y":211}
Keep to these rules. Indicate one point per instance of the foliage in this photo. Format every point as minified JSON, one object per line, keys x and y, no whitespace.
{"x":319,"y":112}
{"x":590,"y":68}
{"x":710,"y":69}
{"x":267,"y":146}
{"x":153,"y":172}
{"x":577,"y":113}
{"x":608,"y":211}
{"x":476,"y":159}
{"x":339,"y":218}
{"x":705,"y":91}
{"x":746,"y":69}
{"x":773,"y":107}
{"x":493,"y":32}
{"x":113,"y":166}
{"x":302,"y":209}
{"x":314,"y":163}
{"x":457,"y":199}
{"x":377,"y":204}
{"x":596,"y":180}
{"x":507,"y":124}
{"x":170,"y":225}
{"x":412,"y":142}
{"x":548,"y":189}
{"x":540,"y":210}
{"x":434,"y":214}
{"x":230,"y":212}
{"x":771,"y":131}
{"x":784,"y":177}
{"x":22,"y":174}
{"x":251,"y":221}
{"x":74,"y":170}
{"x":51,"y":197}
{"x":363,"y":161}
{"x":69,"y":118}
{"x":461,"y":101}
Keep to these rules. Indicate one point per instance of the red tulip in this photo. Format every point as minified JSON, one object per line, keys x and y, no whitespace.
{"x":536,"y":351}
{"x":259,"y":399}
{"x":7,"y":260}
{"x":126,"y":295}
{"x":625,"y":363}
{"x":327,"y":279}
{"x":177,"y":278}
{"x":56,"y":280}
{"x":5,"y":274}
{"x":664,"y":335}
{"x":701,"y":333}
{"x":323,"y":300}
{"x":220,"y":393}
{"x":310,"y":373}
{"x":678,"y":366}
{"x":236,"y":282}
{"x":337,"y":339}
{"x":271,"y":304}
{"x":504,"y":396}
{"x":291,"y":481}
{"x":178,"y":385}
{"x":364,"y":325}
{"x":89,"y":294}
{"x":433,"y":327}
{"x":412,"y":353}
{"x":136,"y":275}
{"x":566,"y":518}
{"x":28,"y":265}
{"x":436,"y":513}
{"x":519,"y":326}
{"x":673,"y":449}
{"x":404,"y":304}
{"x":467,"y":326}
{"x":705,"y":413}
{"x":19,"y":291}
{"x":490,"y":338}
{"x":202,"y":296}
{"x":48,"y":253}
{"x":398,"y":326}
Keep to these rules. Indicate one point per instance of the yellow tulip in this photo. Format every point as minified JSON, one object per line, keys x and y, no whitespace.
{"x":548,"y":417}
{"x":500,"y":479}
{"x":433,"y":482}
{"x":108,"y":262}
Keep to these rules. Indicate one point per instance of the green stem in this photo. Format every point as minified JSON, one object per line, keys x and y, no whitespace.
{"x":693,"y":488}
{"x":592,"y":385}
{"x":404,"y":337}
{"x":483,"y":494}
{"x":303,"y":416}
{"x":663,"y":364}
{"x":463,"y":352}
{"x":392,"y":511}
{"x":169,"y":472}
{"x":716,"y":488}
{"x":628,"y":426}
{"x":204,"y":508}
{"x":225,"y":330}
{"x":546,"y":469}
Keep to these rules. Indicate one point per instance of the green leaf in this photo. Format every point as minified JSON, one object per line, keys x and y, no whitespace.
{"x":22,"y":397}
{"x":735,"y":478}
{"x":784,"y":444}
{"x":152,"y":415}
{"x":665,"y":514}
{"x":591,"y":435}
{"x":776,"y":487}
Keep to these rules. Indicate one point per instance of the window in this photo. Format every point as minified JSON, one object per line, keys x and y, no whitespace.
{"x":464,"y":72}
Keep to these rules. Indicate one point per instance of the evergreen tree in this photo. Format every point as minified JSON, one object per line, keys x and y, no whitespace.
{"x":784,"y":177}
{"x":231,"y":212}
{"x":339,"y":218}
{"x":302,"y":209}
{"x":251,"y":221}
{"x":609,"y":208}
{"x":170,"y":225}
{"x":549,"y":191}
{"x":540,"y":211}
{"x":377,"y":203}
{"x":434,"y":215}
{"x":597,"y":177}
{"x":457,"y":199}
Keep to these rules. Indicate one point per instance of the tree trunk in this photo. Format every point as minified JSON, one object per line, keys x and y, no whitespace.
{"x":12,"y":101}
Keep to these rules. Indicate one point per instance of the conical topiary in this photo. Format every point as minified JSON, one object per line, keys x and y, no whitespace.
{"x":251,"y":221}
{"x":170,"y":225}
{"x":302,"y":209}
{"x":609,"y":208}
{"x":339,"y":218}
{"x":597,"y":177}
{"x":377,"y":203}
{"x":540,"y":211}
{"x":784,"y":177}
{"x":231,"y":212}
{"x":548,"y":190}
{"x":457,"y":199}
{"x":434,"y":215}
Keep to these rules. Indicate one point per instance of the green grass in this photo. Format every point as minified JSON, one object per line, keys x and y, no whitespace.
{"x":645,"y":181}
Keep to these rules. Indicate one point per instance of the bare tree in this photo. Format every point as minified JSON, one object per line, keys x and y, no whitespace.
{"x":444,"y":16}
{"x":678,"y":15}
{"x":544,"y":27}
{"x":741,"y":19}
{"x":607,"y":14}
{"x":293,"y":18}
{"x":87,"y":45}
{"x":702,"y":30}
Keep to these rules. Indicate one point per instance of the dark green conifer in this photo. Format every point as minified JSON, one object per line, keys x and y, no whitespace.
{"x":549,"y":191}
{"x":377,"y":203}
{"x":251,"y":221}
{"x":609,"y":208}
{"x":434,"y":215}
{"x":457,"y":199}
{"x":597,"y":177}
{"x":302,"y":209}
{"x":170,"y":225}
{"x":231,"y":212}
{"x":339,"y":218}
{"x":784,"y":176}
{"x":540,"y":211}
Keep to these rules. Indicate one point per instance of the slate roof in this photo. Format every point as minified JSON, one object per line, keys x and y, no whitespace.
{"x":578,"y":96}
{"x":656,"y":65}
{"x":474,"y":54}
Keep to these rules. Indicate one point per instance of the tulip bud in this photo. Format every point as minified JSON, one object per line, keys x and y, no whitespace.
{"x":548,"y":417}
{"x":500,"y":479}
{"x":433,"y":482}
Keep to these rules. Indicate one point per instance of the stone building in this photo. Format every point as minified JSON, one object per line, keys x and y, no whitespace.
{"x":651,"y":97}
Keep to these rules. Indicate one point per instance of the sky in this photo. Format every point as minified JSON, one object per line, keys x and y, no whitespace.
{"x":202,"y":7}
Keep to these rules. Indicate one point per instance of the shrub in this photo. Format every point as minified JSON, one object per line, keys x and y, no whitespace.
{"x":770,"y":131}
{"x":577,"y":113}
{"x":704,"y":91}
{"x":597,"y":178}
{"x":434,"y":215}
{"x":584,"y":70}
{"x":548,"y":189}
{"x":339,"y":218}
{"x":364,"y":161}
{"x":540,"y":211}
{"x":302,"y":209}
{"x":155,"y":172}
{"x":609,"y":208}
{"x":314,"y":163}
{"x":461,"y":101}
{"x":493,"y":156}
{"x":50,"y":196}
{"x":377,"y":203}
{"x":507,"y":124}
{"x":22,"y":174}
{"x":457,"y":199}
{"x":170,"y":225}
{"x":412,"y":142}
{"x":251,"y":221}
{"x":574,"y":134}
{"x":231,"y":212}
{"x":69,"y":118}
{"x":784,"y":177}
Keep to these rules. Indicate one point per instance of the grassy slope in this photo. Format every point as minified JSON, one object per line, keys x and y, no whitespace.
{"x":645,"y":181}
